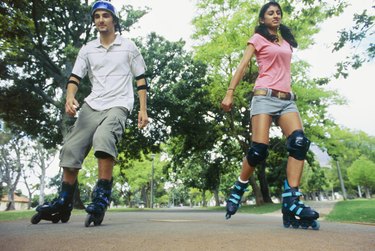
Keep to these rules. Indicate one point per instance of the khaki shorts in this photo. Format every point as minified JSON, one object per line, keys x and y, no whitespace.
{"x":101,"y":130}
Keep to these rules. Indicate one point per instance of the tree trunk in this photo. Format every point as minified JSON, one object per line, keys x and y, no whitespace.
{"x":257,"y":193}
{"x":217,"y":199}
{"x":204,"y":202}
{"x":42,"y":180}
{"x":144,"y":197}
{"x":10,"y":205}
{"x":263,"y":183}
{"x":30,"y":194}
{"x":368,"y":194}
{"x":359,"y":191}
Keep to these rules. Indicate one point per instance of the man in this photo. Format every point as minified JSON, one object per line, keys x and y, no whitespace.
{"x":111,"y":63}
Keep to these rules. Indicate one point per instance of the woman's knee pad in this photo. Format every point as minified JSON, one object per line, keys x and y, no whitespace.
{"x":298,"y":145}
{"x":257,"y":153}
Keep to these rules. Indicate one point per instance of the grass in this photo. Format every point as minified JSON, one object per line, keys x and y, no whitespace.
{"x":252,"y":209}
{"x":27,"y":214}
{"x":359,"y":210}
{"x":16,"y":215}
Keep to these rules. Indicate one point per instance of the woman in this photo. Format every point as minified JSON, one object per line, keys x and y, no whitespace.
{"x":273,"y":101}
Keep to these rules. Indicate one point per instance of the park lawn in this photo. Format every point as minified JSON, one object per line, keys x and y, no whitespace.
{"x":359,"y":210}
{"x":27,"y":214}
{"x":263,"y":209}
{"x":253,"y":209}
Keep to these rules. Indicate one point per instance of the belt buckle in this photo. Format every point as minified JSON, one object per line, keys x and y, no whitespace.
{"x":280,"y":95}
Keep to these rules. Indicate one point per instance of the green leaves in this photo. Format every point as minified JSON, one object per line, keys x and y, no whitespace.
{"x":357,"y":38}
{"x":362,"y":172}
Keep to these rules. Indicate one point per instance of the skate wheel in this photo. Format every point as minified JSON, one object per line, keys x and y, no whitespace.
{"x":227,"y":216}
{"x":286,"y":224}
{"x":295,"y":225}
{"x":98,"y":220}
{"x":315,"y":225}
{"x":304,"y":226}
{"x":65,"y":218}
{"x":55,"y":219}
{"x":36,"y":218}
{"x":88,"y":220}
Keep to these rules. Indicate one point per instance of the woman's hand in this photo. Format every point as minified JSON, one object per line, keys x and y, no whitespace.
{"x":227,"y":102}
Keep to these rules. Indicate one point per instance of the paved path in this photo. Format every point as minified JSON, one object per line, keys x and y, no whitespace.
{"x":183,"y":230}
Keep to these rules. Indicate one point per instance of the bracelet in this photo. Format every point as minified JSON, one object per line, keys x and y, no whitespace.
{"x":230,"y":89}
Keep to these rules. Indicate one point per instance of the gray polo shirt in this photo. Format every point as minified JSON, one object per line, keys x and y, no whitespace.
{"x":111,"y":72}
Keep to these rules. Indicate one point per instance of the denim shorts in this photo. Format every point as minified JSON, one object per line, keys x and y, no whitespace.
{"x":101,"y":130}
{"x":272,"y":106}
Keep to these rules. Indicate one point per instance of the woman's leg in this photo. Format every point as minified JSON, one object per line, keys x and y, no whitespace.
{"x":289,"y":123}
{"x":295,"y":213}
{"x":260,"y":134}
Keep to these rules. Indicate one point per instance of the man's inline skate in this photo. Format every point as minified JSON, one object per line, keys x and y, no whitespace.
{"x":234,"y":201}
{"x":59,"y":208}
{"x":100,"y":200}
{"x":295,"y":212}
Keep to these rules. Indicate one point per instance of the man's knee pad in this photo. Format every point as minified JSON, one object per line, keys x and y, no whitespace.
{"x":257,"y":153}
{"x":298,"y":145}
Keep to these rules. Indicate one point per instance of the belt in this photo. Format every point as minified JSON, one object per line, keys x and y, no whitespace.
{"x":276,"y":94}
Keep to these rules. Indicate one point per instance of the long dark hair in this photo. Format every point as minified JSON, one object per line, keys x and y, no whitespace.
{"x":284,"y":30}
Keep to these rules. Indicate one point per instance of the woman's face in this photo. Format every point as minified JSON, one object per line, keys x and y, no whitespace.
{"x":272,"y":17}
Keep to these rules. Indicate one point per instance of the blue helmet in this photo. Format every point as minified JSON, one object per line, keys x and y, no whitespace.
{"x":104,"y":5}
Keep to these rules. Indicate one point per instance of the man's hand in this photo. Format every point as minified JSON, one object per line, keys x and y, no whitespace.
{"x":142,"y":119}
{"x":71,"y":106}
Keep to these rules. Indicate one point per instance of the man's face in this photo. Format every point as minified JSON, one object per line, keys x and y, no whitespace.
{"x":104,"y":21}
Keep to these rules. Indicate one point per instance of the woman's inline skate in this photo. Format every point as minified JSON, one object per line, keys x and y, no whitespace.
{"x":234,"y":201}
{"x":295,"y":212}
{"x":100,"y":200}
{"x":59,"y":208}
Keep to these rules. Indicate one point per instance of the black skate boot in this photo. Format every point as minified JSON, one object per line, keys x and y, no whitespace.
{"x":234,"y":201}
{"x":100,"y":200}
{"x":59,"y":208}
{"x":296,"y":213}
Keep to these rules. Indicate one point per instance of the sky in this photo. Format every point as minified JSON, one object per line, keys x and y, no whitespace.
{"x":172,"y":19}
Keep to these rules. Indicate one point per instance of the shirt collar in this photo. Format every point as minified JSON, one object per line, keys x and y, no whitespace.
{"x":116,"y":42}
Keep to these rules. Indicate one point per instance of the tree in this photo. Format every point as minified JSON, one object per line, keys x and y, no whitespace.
{"x":12,"y":161}
{"x":362,"y":173}
{"x":139,"y":176}
{"x":40,"y":160}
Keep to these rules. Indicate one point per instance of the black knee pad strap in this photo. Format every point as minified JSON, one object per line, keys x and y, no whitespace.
{"x":298,"y":145}
{"x":257,"y":153}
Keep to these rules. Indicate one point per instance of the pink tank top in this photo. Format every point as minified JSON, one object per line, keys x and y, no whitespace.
{"x":273,"y":63}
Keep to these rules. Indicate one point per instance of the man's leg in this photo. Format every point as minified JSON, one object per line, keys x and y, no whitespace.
{"x":105,"y":168}
{"x":70,"y":175}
